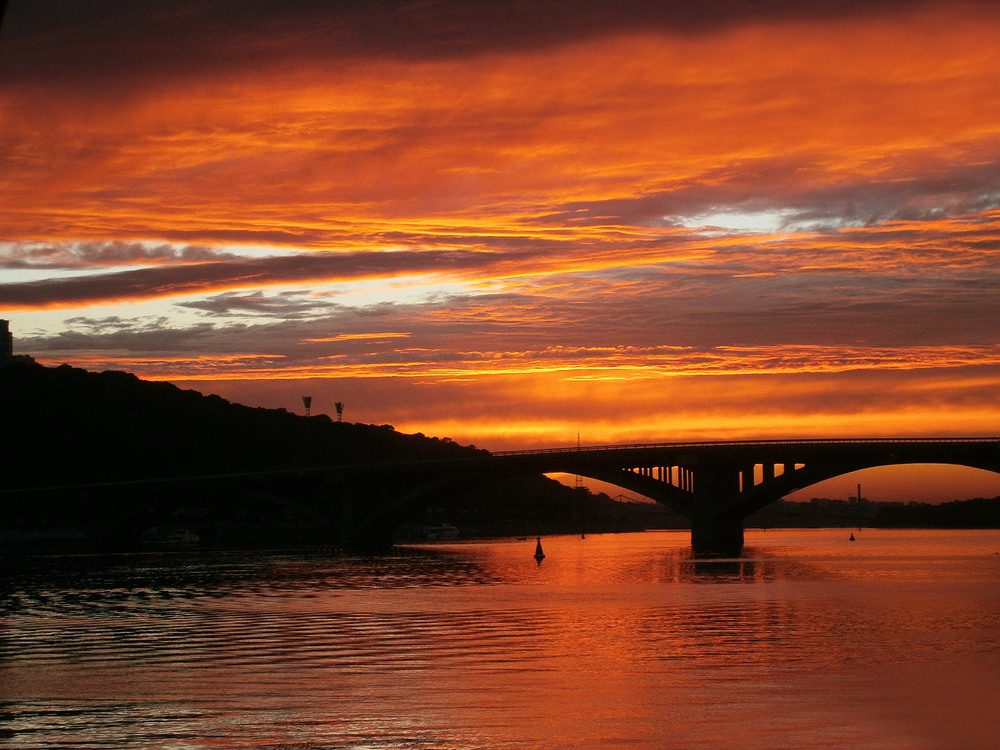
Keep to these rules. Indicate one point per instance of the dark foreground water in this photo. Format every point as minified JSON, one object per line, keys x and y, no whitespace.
{"x":809,"y":641}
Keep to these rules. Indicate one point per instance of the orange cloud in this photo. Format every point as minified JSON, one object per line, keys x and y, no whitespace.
{"x":323,"y":157}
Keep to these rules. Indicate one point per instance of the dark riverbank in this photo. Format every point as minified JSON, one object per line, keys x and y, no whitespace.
{"x":977,"y":513}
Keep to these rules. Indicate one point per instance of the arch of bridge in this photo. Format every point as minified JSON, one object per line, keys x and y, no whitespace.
{"x":727,"y":468}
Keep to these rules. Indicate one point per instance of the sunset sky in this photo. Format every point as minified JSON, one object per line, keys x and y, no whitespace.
{"x":510,"y":223}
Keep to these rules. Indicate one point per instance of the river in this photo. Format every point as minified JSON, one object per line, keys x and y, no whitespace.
{"x":809,"y":640}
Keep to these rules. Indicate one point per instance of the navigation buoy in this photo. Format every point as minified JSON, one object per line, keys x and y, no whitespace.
{"x":851,"y":539}
{"x":539,"y":555}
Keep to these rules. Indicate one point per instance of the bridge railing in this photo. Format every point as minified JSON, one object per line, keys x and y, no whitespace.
{"x":748,"y":443}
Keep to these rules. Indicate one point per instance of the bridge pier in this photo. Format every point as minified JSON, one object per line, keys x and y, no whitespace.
{"x":717,"y":536}
{"x":714,"y":533}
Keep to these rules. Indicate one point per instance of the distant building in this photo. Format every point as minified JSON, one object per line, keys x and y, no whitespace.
{"x":6,"y":340}
{"x":7,"y":346}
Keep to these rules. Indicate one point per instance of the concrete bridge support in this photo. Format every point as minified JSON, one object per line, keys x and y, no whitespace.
{"x":717,"y":536}
{"x":714,"y":530}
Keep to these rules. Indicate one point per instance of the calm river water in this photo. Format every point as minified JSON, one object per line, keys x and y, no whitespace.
{"x":808,"y":641}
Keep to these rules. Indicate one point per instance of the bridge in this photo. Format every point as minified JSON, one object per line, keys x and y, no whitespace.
{"x":716,"y":485}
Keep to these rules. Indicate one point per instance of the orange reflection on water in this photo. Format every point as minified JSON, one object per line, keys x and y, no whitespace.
{"x":612,"y":639}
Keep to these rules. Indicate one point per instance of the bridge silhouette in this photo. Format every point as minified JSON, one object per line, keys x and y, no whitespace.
{"x":715,"y":485}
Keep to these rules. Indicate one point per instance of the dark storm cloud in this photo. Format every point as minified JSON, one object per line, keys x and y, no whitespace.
{"x":797,"y":189}
{"x":115,"y":333}
{"x":711,"y":310}
{"x":284,"y":305}
{"x":198,"y":277}
{"x":122,"y":42}
{"x":116,"y":253}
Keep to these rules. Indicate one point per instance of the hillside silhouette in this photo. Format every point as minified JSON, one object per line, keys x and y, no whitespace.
{"x":77,"y":439}
{"x":74,"y":426}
